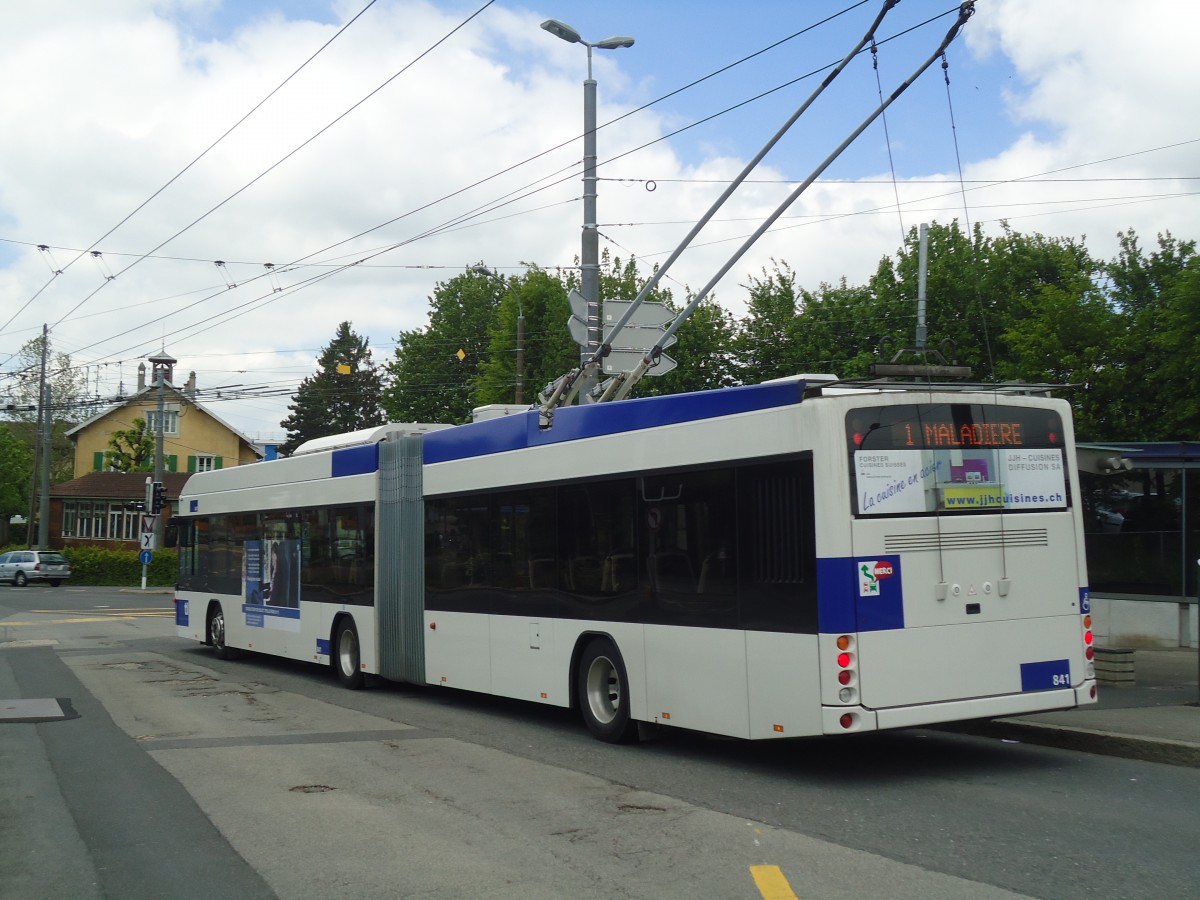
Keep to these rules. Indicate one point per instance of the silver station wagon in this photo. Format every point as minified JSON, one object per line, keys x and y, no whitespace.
{"x":20,"y":567}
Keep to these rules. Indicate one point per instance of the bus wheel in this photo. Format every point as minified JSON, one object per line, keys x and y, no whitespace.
{"x":216,"y":633}
{"x":346,"y":655}
{"x":604,"y":692}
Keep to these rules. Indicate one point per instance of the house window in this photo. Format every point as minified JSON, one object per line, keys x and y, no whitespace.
{"x":205,"y":463}
{"x":170,"y":421}
{"x":100,"y":520}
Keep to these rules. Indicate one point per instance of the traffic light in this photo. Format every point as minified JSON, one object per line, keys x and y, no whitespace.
{"x":159,"y":494}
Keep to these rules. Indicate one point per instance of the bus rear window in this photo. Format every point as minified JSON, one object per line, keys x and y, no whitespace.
{"x":913,"y":458}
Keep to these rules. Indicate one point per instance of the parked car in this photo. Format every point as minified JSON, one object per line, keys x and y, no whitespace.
{"x":20,"y":567}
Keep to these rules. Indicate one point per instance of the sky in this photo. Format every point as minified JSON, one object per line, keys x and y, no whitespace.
{"x":148,"y":201}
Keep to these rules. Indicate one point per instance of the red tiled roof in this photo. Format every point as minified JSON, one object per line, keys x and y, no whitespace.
{"x":117,"y":485}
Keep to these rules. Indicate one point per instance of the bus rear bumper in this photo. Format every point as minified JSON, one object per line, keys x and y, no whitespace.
{"x":863,"y":719}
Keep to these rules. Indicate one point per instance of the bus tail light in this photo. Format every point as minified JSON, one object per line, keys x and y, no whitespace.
{"x":847,"y":675}
{"x":1089,"y":650}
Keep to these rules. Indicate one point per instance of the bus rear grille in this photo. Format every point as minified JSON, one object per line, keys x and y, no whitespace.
{"x":965,"y":540}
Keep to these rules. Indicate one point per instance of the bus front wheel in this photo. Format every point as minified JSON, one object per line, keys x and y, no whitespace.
{"x":216,"y":633}
{"x":346,"y":657}
{"x":603,"y":690}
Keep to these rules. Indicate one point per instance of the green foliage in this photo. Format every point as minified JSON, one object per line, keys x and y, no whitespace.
{"x":1125,"y":335}
{"x":549,"y":349}
{"x":131,"y":450}
{"x":107,"y":567}
{"x":335,"y":401}
{"x":16,"y":467}
{"x":434,"y":370}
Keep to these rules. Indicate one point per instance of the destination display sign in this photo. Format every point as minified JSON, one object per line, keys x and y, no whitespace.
{"x":957,"y":426}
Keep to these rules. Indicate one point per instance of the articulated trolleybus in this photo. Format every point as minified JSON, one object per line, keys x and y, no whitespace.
{"x":793,"y":558}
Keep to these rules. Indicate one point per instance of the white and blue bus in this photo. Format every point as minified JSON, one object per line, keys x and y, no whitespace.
{"x":800,"y":557}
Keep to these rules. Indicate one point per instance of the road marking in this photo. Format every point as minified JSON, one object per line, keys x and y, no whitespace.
{"x":771,"y":883}
{"x":133,"y":612}
{"x":89,"y":620}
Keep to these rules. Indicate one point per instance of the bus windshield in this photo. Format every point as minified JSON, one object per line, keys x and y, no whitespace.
{"x":910,"y":459}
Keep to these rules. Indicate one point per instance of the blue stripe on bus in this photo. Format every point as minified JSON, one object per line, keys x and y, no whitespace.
{"x":572,"y":423}
{"x":842,"y":606}
{"x":355,"y":460}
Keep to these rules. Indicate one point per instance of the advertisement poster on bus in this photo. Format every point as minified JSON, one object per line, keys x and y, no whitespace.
{"x":903,"y":482}
{"x":893,"y":482}
{"x":272,"y":583}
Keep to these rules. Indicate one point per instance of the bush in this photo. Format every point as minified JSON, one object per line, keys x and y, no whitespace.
{"x":105,"y":567}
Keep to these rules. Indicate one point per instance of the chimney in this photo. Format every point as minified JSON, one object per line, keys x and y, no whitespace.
{"x":141,"y":377}
{"x":190,"y":387}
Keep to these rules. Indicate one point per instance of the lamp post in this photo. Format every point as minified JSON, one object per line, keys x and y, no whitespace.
{"x":520,"y":392}
{"x":589,"y":257}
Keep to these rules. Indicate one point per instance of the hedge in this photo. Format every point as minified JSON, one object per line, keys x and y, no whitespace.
{"x":105,"y":567}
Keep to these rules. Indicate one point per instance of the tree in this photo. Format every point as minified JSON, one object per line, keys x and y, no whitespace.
{"x":549,"y":349}
{"x":344,"y":394}
{"x":434,"y":371}
{"x":16,"y":463}
{"x":765,"y":347}
{"x":68,"y":404}
{"x":705,"y":354}
{"x":131,"y":450}
{"x":1156,"y":299}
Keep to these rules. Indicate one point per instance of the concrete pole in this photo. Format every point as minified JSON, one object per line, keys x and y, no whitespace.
{"x":589,"y":258}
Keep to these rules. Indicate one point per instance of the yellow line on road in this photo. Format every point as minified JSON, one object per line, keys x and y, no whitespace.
{"x":77,"y":621}
{"x":771,"y":883}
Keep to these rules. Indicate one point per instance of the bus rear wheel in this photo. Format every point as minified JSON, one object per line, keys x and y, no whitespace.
{"x":346,"y":656}
{"x":603,"y":691}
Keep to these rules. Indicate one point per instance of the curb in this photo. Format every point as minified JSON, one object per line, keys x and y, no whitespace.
{"x":1103,"y":743}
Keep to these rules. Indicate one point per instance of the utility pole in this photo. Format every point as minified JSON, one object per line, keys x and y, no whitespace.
{"x":589,"y":259}
{"x":42,"y":413}
{"x":162,"y":364}
{"x":44,"y":506}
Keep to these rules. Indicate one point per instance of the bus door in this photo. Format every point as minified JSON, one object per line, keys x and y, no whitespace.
{"x":965,"y":577}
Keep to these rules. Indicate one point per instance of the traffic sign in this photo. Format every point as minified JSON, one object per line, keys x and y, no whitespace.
{"x":626,"y":360}
{"x":649,"y":314}
{"x":145,"y":556}
{"x":148,"y":523}
{"x":577,"y":324}
{"x":148,"y":541}
{"x":638,"y":337}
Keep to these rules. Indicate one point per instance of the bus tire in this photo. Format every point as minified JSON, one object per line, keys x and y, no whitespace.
{"x":603,"y":691}
{"x":346,"y":657}
{"x":216,"y":633}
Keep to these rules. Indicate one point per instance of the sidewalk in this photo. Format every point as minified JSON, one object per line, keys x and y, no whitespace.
{"x":1157,"y":718}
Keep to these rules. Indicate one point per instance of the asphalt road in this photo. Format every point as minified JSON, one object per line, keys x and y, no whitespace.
{"x":183,"y":776}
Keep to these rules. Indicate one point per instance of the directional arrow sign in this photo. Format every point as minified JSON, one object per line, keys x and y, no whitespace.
{"x":648,"y":315}
{"x":638,"y":337}
{"x":578,"y":329}
{"x":626,"y":360}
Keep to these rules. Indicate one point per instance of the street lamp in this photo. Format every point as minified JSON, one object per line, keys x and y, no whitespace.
{"x":589,"y":257}
{"x":520,"y":392}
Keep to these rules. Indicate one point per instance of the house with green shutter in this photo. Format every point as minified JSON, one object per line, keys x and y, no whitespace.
{"x":92,"y":508}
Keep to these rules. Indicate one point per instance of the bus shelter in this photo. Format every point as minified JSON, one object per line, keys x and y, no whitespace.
{"x":1141,"y":507}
